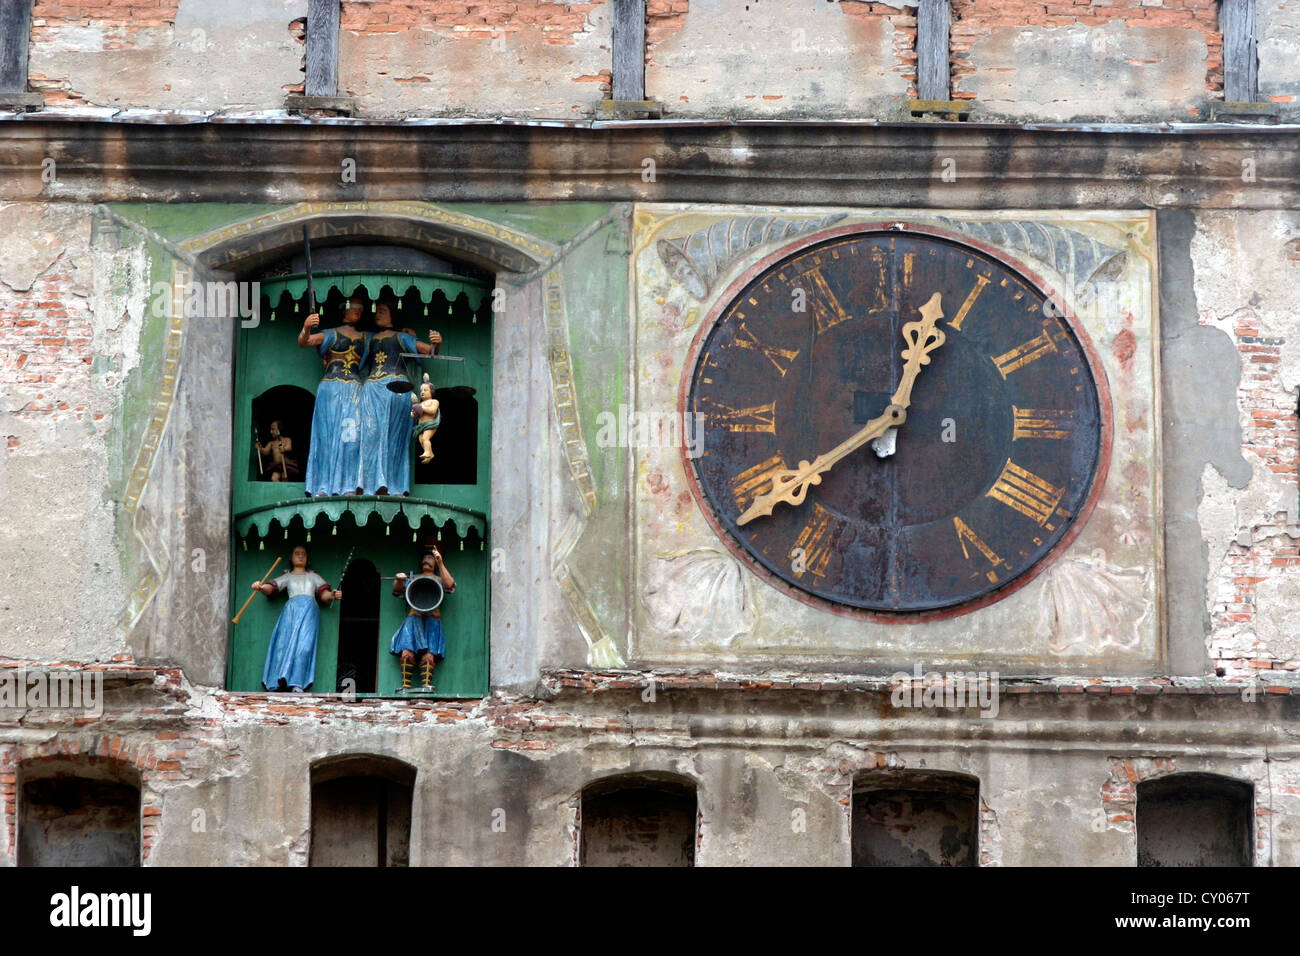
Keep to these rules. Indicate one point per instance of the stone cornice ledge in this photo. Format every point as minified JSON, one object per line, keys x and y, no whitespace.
{"x":114,"y":156}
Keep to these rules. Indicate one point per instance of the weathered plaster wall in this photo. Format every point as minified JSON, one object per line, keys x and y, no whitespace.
{"x":829,"y":59}
{"x":1245,"y":286}
{"x":1122,"y":61}
{"x":1277,"y":27}
{"x":174,"y":54}
{"x":225,"y":779}
{"x":531,"y":58}
{"x":69,"y":338}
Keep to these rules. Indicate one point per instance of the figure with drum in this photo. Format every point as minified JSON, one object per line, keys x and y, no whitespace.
{"x":420,"y":638}
{"x":385,"y":411}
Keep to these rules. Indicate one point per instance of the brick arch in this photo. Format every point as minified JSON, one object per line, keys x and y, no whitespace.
{"x":97,"y":757}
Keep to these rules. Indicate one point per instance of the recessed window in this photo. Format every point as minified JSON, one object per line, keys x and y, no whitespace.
{"x":1195,"y":819}
{"x":74,"y":820}
{"x":639,"y":821}
{"x":361,"y":812}
{"x":916,"y":819}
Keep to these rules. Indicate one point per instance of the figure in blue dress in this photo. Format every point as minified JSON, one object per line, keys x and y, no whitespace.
{"x":385,"y":413}
{"x":291,"y":658}
{"x":420,"y":637}
{"x":334,"y":462}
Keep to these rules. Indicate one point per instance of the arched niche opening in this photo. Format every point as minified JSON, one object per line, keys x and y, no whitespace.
{"x":915,"y":818}
{"x":285,"y":410}
{"x":638,"y":820}
{"x":358,"y":654}
{"x":78,"y":813}
{"x":1195,"y":819}
{"x":361,"y":811}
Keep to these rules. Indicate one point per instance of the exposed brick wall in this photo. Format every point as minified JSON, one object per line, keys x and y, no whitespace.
{"x":904,"y":23}
{"x":663,"y":18}
{"x":68,"y":25}
{"x":46,"y":351}
{"x":1271,"y":434}
{"x":973,"y":19}
{"x":472,"y":19}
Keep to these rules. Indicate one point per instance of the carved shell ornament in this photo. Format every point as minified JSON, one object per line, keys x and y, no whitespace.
{"x":1074,"y":255}
{"x":696,"y":260}
{"x":1091,"y":603}
{"x":699,"y":594}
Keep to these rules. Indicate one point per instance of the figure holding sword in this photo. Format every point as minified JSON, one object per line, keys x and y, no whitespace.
{"x":386,"y":424}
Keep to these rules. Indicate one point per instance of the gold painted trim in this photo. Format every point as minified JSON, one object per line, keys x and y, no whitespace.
{"x":536,"y":248}
{"x":562,"y":388}
{"x":149,"y":582}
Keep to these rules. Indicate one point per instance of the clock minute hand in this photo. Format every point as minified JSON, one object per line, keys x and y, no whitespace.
{"x":790,"y":485}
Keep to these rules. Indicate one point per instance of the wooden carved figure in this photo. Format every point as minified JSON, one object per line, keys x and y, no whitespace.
{"x":334,"y":462}
{"x":385,"y":424}
{"x":420,"y":638}
{"x":427,"y":417}
{"x":291,"y":658}
{"x":283,"y":468}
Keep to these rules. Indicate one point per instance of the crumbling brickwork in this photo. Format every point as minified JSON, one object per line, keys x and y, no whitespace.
{"x":558,"y":23}
{"x":843,"y":59}
{"x":448,"y":58}
{"x":1125,"y":59}
{"x":104,"y":25}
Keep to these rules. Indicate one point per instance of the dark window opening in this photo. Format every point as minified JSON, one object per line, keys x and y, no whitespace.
{"x":358,"y":658}
{"x":916,"y":820}
{"x":1195,"y":819}
{"x":361,"y":812}
{"x":455,"y":444}
{"x":70,"y":820}
{"x":638,"y":821}
{"x":289,"y":407}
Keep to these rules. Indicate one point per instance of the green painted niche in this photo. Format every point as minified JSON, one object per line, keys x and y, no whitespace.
{"x":355,"y":541}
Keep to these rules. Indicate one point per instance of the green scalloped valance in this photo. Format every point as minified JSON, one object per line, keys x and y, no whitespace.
{"x":399,"y":283}
{"x":415,"y":511}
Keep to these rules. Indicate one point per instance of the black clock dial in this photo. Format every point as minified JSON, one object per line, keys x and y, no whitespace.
{"x":997,"y":457}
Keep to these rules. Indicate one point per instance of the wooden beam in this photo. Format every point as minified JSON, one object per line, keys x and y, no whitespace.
{"x":1240,"y":59}
{"x":932,"y":72}
{"x":629,"y":50}
{"x":15,"y":29}
{"x":322,"y":48}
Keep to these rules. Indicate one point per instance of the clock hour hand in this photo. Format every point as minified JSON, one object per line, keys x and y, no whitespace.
{"x":790,"y":485}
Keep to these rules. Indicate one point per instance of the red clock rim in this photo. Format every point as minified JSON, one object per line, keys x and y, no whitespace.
{"x":900,"y":227}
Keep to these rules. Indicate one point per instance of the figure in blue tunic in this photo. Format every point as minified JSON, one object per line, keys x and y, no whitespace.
{"x":420,"y":636}
{"x":291,"y":658}
{"x":334,"y":462}
{"x":385,"y":413}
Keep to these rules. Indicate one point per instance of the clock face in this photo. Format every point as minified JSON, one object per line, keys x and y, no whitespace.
{"x":995,"y":461}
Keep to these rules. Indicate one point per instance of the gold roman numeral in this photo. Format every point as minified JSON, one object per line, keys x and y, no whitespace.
{"x":755,"y":481}
{"x":1023,"y":354}
{"x":756,"y":418}
{"x":1041,"y":423}
{"x":966,"y":536}
{"x":1022,"y":490}
{"x":817,"y":543}
{"x":960,"y":317}
{"x":746,"y":339}
{"x":827,"y":311}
